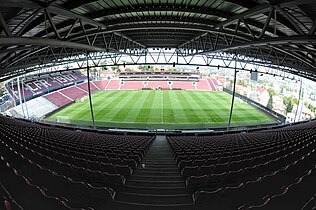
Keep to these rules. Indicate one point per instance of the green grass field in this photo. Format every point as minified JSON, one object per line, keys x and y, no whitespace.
{"x":154,"y":109}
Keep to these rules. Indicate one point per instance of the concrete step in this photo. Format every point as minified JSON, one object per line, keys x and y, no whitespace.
{"x":157,"y":165}
{"x":154,"y":199}
{"x":155,"y":173}
{"x":156,"y":178}
{"x":161,"y":183}
{"x":157,"y":169}
{"x":154,"y":190}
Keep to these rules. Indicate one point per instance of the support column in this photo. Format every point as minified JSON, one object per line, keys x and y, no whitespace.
{"x":20,"y":96}
{"x":89,"y":91}
{"x":24,"y":103}
{"x":233,"y":97}
{"x":299,"y":101}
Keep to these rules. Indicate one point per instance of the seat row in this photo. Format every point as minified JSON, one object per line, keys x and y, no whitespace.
{"x":260,"y":192}
{"x":48,"y":190}
{"x":268,"y":161}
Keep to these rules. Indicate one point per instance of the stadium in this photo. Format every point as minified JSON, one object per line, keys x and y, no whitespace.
{"x":138,"y":104}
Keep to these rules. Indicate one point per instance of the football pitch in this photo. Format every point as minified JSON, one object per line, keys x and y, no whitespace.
{"x":154,"y":109}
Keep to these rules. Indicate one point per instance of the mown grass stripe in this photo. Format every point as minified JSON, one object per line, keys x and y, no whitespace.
{"x":168,"y":109}
{"x":128,"y":108}
{"x":179,"y":113}
{"x":188,"y":109}
{"x":104,"y":109}
{"x":162,"y":109}
{"x":217,"y":105}
{"x":144,"y":113}
{"x":155,"y":114}
{"x":120,"y":107}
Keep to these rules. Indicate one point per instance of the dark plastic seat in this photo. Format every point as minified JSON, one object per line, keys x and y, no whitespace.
{"x":196,"y":182}
{"x":216,"y":180}
{"x":221,"y":167}
{"x":116,"y":161}
{"x":233,"y":177}
{"x":184,"y":163}
{"x":124,"y":170}
{"x":189,"y":171}
{"x":205,"y":170}
{"x":205,"y":198}
{"x":108,"y":168}
{"x":130,"y":162}
{"x":198,"y":162}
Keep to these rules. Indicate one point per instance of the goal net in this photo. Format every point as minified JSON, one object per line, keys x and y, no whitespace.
{"x":84,"y":98}
{"x":62,"y":119}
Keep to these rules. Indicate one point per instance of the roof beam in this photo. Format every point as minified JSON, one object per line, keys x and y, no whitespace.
{"x":8,"y":41}
{"x":267,"y":43}
{"x":56,"y":10}
{"x":4,"y":25}
{"x":66,"y":13}
{"x":255,"y":10}
{"x":159,"y":8}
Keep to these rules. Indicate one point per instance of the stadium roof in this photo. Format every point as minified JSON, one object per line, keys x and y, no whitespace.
{"x":280,"y":32}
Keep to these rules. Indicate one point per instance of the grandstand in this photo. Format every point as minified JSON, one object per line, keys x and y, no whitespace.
{"x":125,"y":68}
{"x":37,"y":86}
{"x":110,"y":171}
{"x":61,"y":96}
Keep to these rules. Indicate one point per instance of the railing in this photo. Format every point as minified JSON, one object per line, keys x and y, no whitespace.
{"x":265,"y":109}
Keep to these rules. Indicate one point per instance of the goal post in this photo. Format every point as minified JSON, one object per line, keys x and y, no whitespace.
{"x":84,"y":98}
{"x":62,"y":119}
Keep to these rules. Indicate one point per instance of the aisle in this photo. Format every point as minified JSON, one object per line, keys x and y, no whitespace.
{"x":156,"y":182}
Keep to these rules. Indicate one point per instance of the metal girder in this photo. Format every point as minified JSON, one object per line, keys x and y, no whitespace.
{"x":162,"y":8}
{"x":66,"y":13}
{"x":28,"y":22}
{"x":247,"y":59}
{"x":194,"y":28}
{"x":113,"y":43}
{"x":7,"y":41}
{"x":58,"y":11}
{"x":292,"y":40}
{"x":50,"y":8}
{"x":4,"y":25}
{"x":211,"y":42}
{"x":210,"y":45}
{"x":20,"y":3}
{"x":260,"y":9}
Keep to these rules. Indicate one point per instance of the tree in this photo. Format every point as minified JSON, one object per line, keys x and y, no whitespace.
{"x":289,"y":106}
{"x":270,"y":102}
{"x":295,"y":100}
{"x":128,"y":69}
{"x":146,"y":68}
{"x":242,"y":83}
{"x":115,"y":68}
{"x":288,"y":102}
{"x":271,"y":91}
{"x":311,"y":107}
{"x":282,"y":88}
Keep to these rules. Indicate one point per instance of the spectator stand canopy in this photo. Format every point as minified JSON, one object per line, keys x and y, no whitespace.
{"x":278,"y":34}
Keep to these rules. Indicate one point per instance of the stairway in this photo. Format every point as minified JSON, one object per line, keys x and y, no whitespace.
{"x":156,"y":182}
